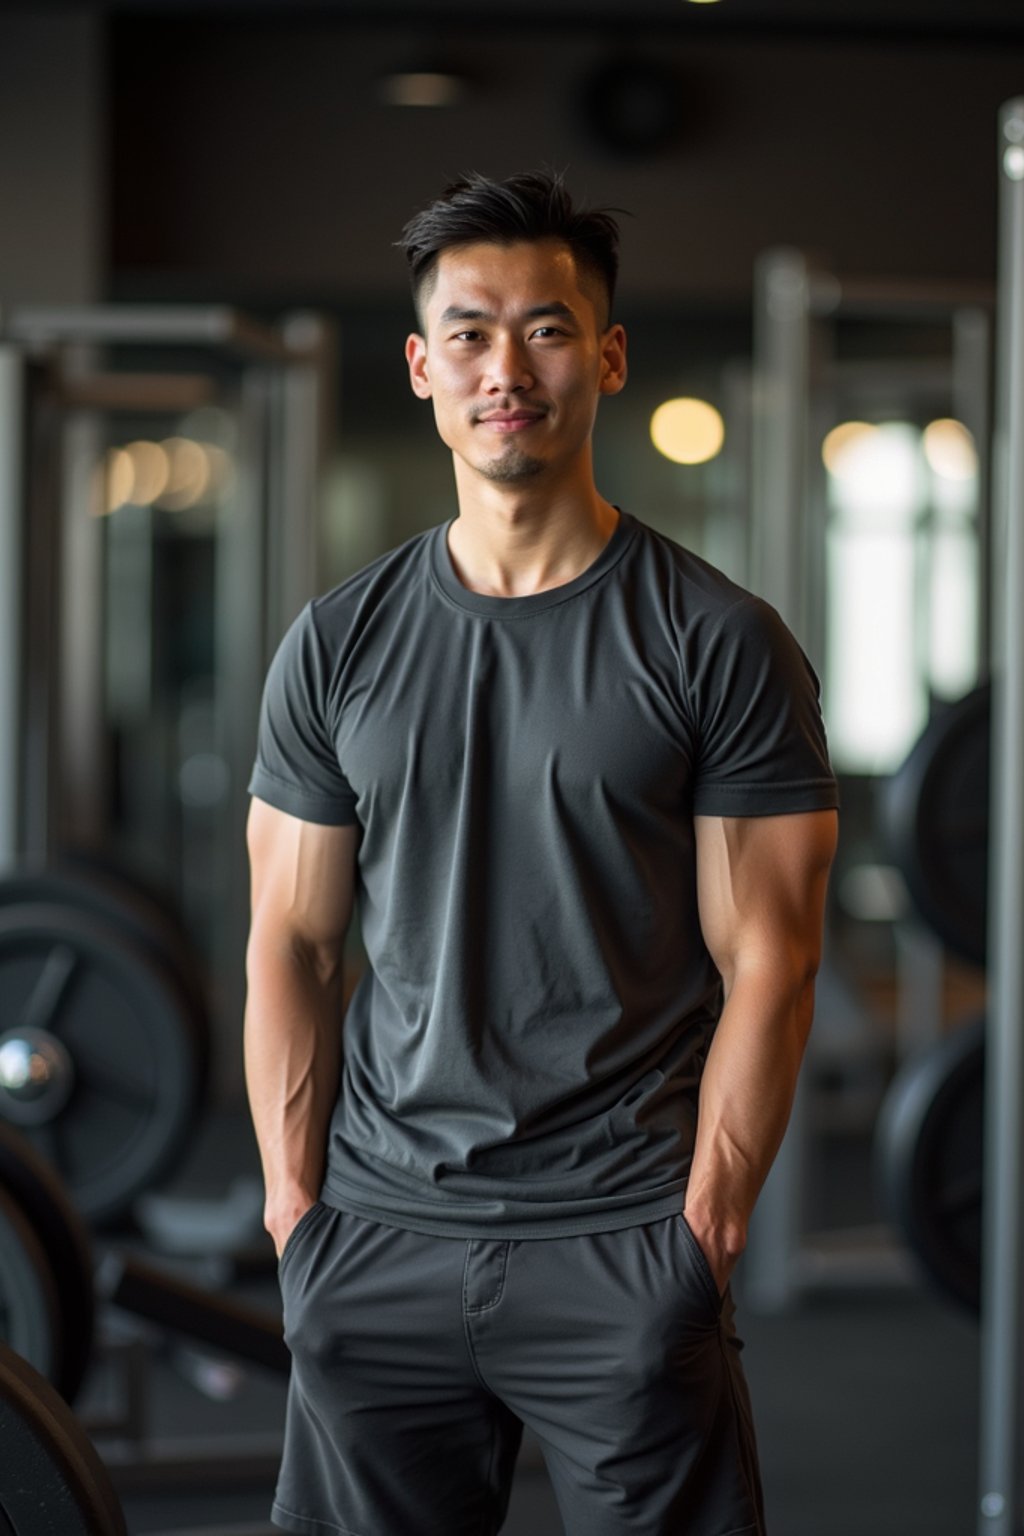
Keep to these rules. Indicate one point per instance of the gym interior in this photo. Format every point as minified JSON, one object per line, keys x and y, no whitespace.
{"x":205,"y":419}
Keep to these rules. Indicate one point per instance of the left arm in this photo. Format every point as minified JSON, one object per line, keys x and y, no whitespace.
{"x":761,"y":885}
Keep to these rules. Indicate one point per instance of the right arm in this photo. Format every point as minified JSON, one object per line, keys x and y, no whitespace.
{"x":303,"y":882}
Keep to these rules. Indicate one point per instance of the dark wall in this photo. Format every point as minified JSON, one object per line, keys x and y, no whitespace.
{"x":253,"y":158}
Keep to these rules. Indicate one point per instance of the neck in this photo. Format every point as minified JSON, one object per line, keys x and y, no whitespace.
{"x":511,"y":542}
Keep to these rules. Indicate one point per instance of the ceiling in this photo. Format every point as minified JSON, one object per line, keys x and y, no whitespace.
{"x":982,"y":21}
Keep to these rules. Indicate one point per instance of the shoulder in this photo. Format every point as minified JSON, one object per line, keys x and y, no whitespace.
{"x":394,"y":574}
{"x":672,"y":568}
{"x":700,"y":600}
{"x":312,"y":656}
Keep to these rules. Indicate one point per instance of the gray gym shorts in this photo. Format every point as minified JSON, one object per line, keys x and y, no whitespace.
{"x":416,"y":1361}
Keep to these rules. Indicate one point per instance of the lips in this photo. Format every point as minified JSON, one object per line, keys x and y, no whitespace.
{"x":510,"y":421}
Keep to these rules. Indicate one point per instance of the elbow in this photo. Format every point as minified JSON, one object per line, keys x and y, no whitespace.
{"x":805,"y":999}
{"x":808,"y":968}
{"x":281,"y":950}
{"x":779,"y":970}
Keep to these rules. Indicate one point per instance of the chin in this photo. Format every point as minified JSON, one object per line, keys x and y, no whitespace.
{"x":512,"y":466}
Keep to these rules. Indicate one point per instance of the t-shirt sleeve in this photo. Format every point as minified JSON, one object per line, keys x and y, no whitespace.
{"x":297,"y":768}
{"x":761,"y":746}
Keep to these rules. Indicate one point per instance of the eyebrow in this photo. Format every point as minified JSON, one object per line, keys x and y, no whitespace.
{"x":538,"y":311}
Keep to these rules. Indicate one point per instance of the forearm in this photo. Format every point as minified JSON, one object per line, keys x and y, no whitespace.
{"x":292,"y":1061}
{"x":746,"y":1096}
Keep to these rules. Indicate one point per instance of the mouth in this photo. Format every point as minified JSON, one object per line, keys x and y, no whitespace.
{"x":510,"y":421}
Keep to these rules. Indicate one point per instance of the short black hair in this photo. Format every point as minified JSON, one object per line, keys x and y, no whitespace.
{"x":532,"y":205}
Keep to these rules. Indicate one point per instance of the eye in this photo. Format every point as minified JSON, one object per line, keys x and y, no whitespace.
{"x":544,"y":332}
{"x":466,"y":336}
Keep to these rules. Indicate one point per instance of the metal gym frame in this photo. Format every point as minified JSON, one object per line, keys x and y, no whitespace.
{"x":794,"y":378}
{"x":65,"y":372}
{"x":1001,"y":1490}
{"x":788,"y":297}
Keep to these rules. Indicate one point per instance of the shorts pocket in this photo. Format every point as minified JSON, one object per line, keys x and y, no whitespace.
{"x":305,"y":1220}
{"x":699,"y":1263}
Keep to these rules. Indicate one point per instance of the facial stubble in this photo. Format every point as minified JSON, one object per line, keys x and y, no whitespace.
{"x":511,"y":466}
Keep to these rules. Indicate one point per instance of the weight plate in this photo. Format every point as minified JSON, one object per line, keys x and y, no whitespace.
{"x":935,"y":816}
{"x":127,"y":1028}
{"x":95,"y":886}
{"x":52,"y":1482}
{"x":61,"y":1234}
{"x":30,"y":1319}
{"x":929,"y":1159}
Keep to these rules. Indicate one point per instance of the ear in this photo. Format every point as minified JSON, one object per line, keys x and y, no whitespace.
{"x":416,"y":357}
{"x":613,"y":360}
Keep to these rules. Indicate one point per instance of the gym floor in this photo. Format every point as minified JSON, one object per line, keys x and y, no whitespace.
{"x":866,"y":1406}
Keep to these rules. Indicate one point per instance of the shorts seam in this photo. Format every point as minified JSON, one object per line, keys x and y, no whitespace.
{"x":486,"y":1524}
{"x":309,"y":1521}
{"x":465,"y":1322}
{"x":474,"y":1309}
{"x":741,"y":1450}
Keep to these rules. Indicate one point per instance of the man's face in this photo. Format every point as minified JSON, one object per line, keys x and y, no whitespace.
{"x":514,"y":359}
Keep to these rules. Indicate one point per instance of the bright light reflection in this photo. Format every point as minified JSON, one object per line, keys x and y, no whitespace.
{"x":876,"y":701}
{"x":687,"y":431}
{"x":839,"y":448}
{"x":953,"y":611}
{"x":949,"y":449}
{"x":881,"y":481}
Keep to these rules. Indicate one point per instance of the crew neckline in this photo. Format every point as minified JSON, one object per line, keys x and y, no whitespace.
{"x":485,"y":603}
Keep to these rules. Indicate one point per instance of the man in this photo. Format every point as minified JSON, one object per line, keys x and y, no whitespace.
{"x":579,"y":781}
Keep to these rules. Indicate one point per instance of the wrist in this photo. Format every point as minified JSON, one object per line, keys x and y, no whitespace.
{"x":283,"y":1207}
{"x":722,"y":1237}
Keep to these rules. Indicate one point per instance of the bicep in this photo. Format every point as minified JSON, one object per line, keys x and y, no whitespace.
{"x":761,"y":883}
{"x":302,"y":876}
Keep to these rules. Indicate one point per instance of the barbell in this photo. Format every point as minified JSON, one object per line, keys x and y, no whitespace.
{"x":49,"y":1283}
{"x":52,"y":1483}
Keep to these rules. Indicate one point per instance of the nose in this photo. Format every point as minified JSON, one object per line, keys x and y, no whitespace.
{"x":508,"y":368}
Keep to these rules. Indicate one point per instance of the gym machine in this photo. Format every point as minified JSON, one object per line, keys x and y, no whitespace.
{"x":951,"y":1136}
{"x":801,"y":386}
{"x":136,"y":623}
{"x":57,"y":1284}
{"x":105,"y":1027}
{"x":928,"y":1139}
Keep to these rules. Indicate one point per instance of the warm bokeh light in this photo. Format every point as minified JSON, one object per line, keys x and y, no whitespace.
{"x":175,"y":475}
{"x":222,"y":470}
{"x":119,"y":480}
{"x":840,"y":448}
{"x":189,"y":477}
{"x":949,"y":449}
{"x":151,"y":470}
{"x":421,"y":88}
{"x":687,"y":431}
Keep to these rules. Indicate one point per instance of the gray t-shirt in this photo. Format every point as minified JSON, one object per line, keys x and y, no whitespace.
{"x":523,"y":1053}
